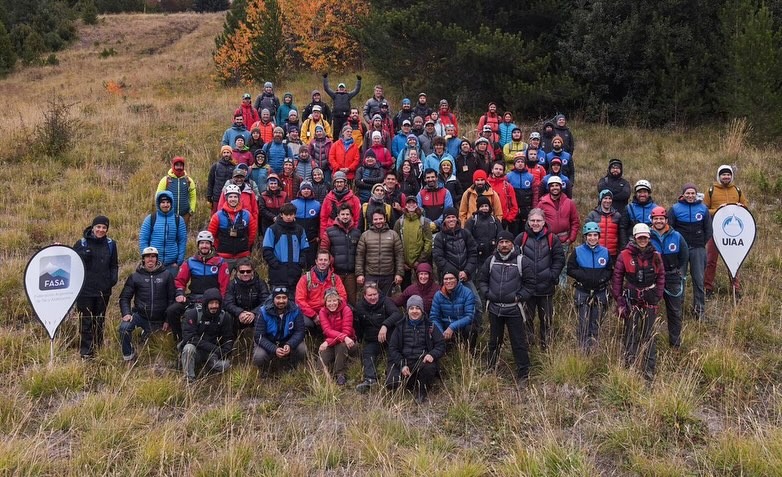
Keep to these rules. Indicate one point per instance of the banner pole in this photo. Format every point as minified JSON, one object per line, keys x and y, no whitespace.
{"x":51,"y":351}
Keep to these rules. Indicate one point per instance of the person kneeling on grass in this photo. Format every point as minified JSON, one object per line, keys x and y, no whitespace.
{"x":152,"y":289}
{"x":336,"y":321}
{"x":414,"y":351}
{"x":279,"y":331}
{"x":207,"y":335}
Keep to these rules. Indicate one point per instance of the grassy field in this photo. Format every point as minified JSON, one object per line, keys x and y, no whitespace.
{"x":141,"y":87}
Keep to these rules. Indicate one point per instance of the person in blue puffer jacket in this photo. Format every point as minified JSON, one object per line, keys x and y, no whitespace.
{"x":453,"y":308}
{"x":308,"y":216}
{"x":690,"y":217}
{"x":165,"y":231}
{"x":506,"y":127}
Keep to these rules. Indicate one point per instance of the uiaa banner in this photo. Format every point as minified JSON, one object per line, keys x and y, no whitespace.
{"x":734,"y":235}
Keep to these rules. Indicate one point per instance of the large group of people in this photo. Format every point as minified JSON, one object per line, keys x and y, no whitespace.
{"x":393,"y":235}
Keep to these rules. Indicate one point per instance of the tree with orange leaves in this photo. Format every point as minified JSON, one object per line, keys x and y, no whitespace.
{"x":255,"y":51}
{"x":323,"y":32}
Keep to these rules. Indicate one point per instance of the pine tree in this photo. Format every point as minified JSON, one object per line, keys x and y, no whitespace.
{"x":255,"y":51}
{"x":752,"y":83}
{"x":7,"y":55}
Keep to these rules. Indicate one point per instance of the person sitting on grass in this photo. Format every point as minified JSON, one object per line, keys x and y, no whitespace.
{"x":151,"y":287}
{"x":207,"y":336}
{"x":336,"y":321}
{"x":279,"y":331}
{"x":376,"y":317}
{"x":414,"y":352}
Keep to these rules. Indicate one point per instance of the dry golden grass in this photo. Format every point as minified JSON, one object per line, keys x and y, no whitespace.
{"x":715,"y":409}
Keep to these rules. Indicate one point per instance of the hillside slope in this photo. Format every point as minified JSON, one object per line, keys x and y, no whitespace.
{"x":714,"y":409}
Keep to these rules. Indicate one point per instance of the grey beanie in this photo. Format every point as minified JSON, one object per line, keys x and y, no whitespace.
{"x":415,"y":300}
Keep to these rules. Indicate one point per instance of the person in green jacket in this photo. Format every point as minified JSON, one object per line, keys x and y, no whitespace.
{"x":416,"y":233}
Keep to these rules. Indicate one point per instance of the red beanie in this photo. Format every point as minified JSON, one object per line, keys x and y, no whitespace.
{"x":479,"y":174}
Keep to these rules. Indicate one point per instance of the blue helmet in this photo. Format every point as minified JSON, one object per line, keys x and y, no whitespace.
{"x":590,"y":227}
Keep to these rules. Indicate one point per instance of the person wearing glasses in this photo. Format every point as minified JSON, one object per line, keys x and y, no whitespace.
{"x":279,"y":331}
{"x":246,"y":292}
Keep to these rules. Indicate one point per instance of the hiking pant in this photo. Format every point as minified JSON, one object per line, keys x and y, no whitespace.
{"x":192,"y":358}
{"x":370,"y":353}
{"x":126,"y":333}
{"x":261,"y":358}
{"x":591,"y":308}
{"x":92,"y":315}
{"x":510,"y":318}
{"x":421,"y":378}
{"x":697,"y":268}
{"x":674,"y":297}
{"x":543,"y":305}
{"x":337,"y":356}
{"x":638,"y":338}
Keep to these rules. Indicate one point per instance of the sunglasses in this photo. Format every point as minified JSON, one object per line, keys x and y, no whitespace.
{"x":279,"y":290}
{"x":244,"y":272}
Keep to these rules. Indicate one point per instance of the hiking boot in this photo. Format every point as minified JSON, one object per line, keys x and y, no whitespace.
{"x":341,"y":380}
{"x":364,"y":386}
{"x":709,"y":294}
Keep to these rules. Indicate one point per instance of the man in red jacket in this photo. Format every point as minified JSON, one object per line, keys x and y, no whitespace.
{"x":312,"y":287}
{"x":506,"y":193}
{"x":561,"y":218}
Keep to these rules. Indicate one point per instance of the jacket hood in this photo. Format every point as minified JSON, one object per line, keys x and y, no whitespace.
{"x":616,"y":162}
{"x":726,"y":167}
{"x":159,"y":196}
{"x":212,"y":294}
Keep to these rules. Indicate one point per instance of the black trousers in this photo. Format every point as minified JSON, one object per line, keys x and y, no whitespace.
{"x":543,"y":306}
{"x":512,"y":320}
{"x":92,"y":316}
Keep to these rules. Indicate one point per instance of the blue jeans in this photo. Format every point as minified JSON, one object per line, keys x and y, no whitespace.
{"x":126,"y":333}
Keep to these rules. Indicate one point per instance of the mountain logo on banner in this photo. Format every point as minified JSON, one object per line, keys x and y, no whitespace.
{"x":732,"y":226}
{"x":55,"y":272}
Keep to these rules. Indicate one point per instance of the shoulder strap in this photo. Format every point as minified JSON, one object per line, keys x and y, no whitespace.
{"x":519,"y":258}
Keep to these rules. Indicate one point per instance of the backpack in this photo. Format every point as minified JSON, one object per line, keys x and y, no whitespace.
{"x":268,"y":146}
{"x":112,"y":245}
{"x":525,"y":236}
{"x":519,"y":258}
{"x":309,"y":280}
{"x":711,"y":192}
{"x":153,"y":219}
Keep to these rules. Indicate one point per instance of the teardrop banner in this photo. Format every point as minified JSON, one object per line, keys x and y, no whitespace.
{"x":53,"y":279}
{"x":734,"y":234}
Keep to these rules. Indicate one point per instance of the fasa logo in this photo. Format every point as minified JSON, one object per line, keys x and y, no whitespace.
{"x":312,"y":212}
{"x":602,"y":261}
{"x":55,"y":272}
{"x":699,"y":216}
{"x":526,"y":184}
{"x":213,"y":268}
{"x":672,"y":247}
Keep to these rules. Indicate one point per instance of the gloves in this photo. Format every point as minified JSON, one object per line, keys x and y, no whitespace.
{"x":325,"y":75}
{"x":358,"y":77}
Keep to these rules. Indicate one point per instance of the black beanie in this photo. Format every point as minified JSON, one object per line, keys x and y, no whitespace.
{"x":100,"y":220}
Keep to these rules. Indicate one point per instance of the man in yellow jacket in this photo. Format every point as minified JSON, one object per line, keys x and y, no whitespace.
{"x":469,"y":203}
{"x":722,"y":192}
{"x":182,"y":187}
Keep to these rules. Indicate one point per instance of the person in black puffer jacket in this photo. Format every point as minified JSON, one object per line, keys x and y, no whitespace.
{"x":506,"y":280}
{"x":207,"y":336}
{"x":246,"y":292}
{"x":101,"y":272}
{"x":152,"y":289}
{"x":414,"y":351}
{"x":485,"y":229}
{"x":221,"y":172}
{"x":618,"y":185}
{"x":544,"y":250}
{"x":376,"y":317}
